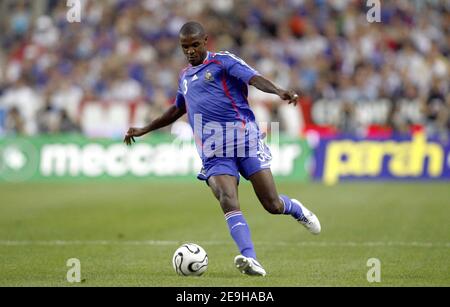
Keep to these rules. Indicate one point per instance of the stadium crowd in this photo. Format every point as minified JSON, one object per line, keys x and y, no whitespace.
{"x":127,"y":50}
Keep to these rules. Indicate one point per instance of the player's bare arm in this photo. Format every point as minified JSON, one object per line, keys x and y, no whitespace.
{"x":267,"y":86}
{"x":169,"y":117}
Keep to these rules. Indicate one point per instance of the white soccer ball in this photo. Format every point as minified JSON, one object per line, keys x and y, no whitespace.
{"x":190,"y":260}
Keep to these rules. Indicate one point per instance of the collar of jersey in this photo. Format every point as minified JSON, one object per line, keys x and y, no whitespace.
{"x":194,"y":69}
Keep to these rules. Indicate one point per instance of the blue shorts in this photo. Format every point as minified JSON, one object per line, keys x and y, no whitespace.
{"x":233,"y":166}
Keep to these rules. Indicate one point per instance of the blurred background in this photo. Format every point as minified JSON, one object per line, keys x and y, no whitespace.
{"x":118,"y":66}
{"x":355,"y":76}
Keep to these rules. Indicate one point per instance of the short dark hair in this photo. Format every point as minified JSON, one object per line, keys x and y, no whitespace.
{"x":192,"y":28}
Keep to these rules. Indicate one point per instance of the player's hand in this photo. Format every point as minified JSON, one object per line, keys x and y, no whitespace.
{"x":131,"y":133}
{"x":289,"y":95}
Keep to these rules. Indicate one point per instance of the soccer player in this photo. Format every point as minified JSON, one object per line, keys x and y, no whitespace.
{"x":212,"y":90}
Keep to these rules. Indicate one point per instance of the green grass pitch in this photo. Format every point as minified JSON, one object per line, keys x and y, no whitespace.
{"x":124,"y":234}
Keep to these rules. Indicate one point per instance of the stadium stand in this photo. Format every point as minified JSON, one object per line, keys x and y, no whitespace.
{"x":356,"y":77}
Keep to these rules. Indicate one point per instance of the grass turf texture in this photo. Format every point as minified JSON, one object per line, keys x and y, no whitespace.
{"x":125,"y":233}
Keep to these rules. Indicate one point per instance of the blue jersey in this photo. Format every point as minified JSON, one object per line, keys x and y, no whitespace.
{"x":215,"y":93}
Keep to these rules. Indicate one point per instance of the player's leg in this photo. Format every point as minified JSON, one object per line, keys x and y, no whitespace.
{"x":266,"y":191}
{"x":225,"y":189}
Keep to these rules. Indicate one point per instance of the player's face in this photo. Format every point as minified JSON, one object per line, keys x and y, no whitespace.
{"x":194,"y":48}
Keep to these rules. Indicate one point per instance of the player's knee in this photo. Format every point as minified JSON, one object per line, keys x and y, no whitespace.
{"x":227,"y":200}
{"x":273,"y":205}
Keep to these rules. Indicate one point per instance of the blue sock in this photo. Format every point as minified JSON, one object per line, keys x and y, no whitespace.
{"x":241,"y":233}
{"x":291,"y":208}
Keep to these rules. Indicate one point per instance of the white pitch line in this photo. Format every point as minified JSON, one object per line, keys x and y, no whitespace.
{"x":174,"y":243}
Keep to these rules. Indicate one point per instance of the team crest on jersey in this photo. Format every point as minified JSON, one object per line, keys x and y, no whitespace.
{"x":209,"y":76}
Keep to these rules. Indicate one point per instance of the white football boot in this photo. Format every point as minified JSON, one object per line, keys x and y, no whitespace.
{"x":309,"y":219}
{"x":249,"y":266}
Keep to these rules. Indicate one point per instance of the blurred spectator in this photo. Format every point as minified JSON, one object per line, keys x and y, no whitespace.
{"x":122,"y":87}
{"x":45,"y":33}
{"x":404,"y":114}
{"x":436,"y":110}
{"x":14,"y":123}
{"x":23,"y":97}
{"x":47,"y":119}
{"x":347,"y":121}
{"x":67,"y":96}
{"x":20,"y":18}
{"x":66,"y":125}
